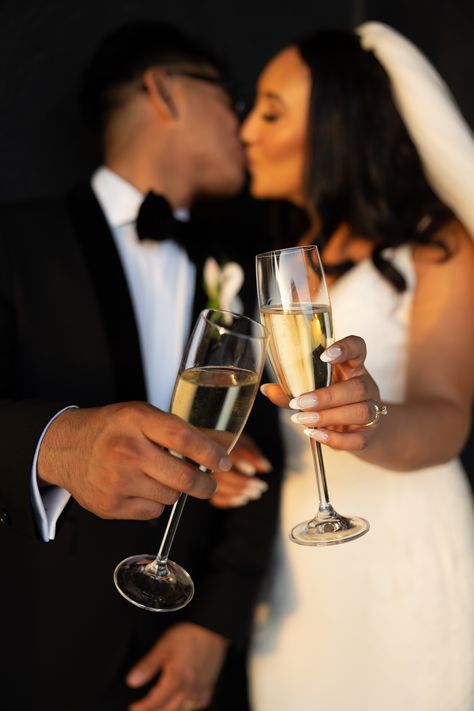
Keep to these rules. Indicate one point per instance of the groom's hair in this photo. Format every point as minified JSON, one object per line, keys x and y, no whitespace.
{"x":124,"y":55}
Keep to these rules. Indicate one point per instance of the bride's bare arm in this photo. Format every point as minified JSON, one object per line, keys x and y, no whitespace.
{"x":432,"y":424}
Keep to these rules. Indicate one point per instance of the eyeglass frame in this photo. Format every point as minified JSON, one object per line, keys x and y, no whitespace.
{"x":237,"y":104}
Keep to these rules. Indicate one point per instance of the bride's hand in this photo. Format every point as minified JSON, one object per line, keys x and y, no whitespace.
{"x":346,"y":414}
{"x":240,"y":485}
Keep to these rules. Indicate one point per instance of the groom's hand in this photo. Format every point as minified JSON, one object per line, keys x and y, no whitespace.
{"x":188,"y":658}
{"x":113,"y":459}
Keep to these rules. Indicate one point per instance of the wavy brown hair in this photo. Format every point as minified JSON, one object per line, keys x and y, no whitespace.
{"x":362,"y":167}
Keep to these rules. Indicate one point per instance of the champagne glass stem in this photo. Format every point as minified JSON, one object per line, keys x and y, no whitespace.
{"x":160,"y":564}
{"x":324,"y":503}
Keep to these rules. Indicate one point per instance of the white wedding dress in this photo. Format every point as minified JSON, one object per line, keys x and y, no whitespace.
{"x":386,"y":622}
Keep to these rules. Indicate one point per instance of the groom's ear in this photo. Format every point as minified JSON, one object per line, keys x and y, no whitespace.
{"x":160,"y":90}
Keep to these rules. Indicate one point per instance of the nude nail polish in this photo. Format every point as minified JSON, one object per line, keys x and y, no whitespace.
{"x":305,"y":418}
{"x":330,"y":354}
{"x":303,"y":401}
{"x":318,"y":435}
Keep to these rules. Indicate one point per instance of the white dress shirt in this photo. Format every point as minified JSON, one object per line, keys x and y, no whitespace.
{"x":161,"y":282}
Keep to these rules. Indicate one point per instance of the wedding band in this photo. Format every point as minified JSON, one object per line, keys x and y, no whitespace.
{"x":379,"y":411}
{"x":189,"y":705}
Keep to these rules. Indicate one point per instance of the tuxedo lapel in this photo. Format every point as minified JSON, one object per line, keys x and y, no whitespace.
{"x":113,"y":297}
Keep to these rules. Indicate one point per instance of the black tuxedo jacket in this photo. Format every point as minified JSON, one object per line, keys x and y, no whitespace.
{"x":68,"y":336}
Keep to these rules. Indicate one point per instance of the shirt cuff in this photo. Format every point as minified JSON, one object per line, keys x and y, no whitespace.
{"x":49,"y":505}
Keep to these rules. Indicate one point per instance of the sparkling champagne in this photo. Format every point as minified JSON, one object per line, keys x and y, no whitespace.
{"x":298,"y":336}
{"x":215,"y":399}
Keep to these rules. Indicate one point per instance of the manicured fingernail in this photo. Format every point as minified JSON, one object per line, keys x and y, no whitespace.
{"x":135,"y":678}
{"x":305,"y":418}
{"x":224,"y":465}
{"x":245,"y":467}
{"x":331,"y":353}
{"x":239,"y":501}
{"x":264,"y":464}
{"x":255,"y":488}
{"x":318,"y":435}
{"x":303,"y":401}
{"x":264,"y":389}
{"x":255,"y":496}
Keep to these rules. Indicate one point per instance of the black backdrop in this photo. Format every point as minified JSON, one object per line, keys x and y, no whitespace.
{"x":44,"y":45}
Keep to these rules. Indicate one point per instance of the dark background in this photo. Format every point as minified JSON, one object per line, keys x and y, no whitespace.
{"x":44,"y":45}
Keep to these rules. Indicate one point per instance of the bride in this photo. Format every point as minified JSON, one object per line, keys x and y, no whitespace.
{"x":385,"y":622}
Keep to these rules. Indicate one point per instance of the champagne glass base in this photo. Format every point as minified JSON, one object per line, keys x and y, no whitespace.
{"x":140,"y":582}
{"x":324,"y":530}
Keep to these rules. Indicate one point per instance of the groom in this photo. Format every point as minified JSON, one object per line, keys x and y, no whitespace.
{"x":97,"y":295}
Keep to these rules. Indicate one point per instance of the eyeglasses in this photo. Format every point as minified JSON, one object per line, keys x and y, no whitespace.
{"x":200,"y":76}
{"x":237,"y":104}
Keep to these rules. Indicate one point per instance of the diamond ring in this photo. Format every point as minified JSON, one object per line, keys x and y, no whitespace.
{"x":379,"y":410}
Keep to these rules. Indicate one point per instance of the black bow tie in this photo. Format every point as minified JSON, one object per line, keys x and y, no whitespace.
{"x":156,"y":221}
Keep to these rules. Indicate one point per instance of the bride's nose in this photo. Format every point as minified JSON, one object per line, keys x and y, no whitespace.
{"x":248,"y":130}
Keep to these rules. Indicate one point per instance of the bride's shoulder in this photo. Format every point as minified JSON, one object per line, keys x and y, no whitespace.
{"x":444,"y":272}
{"x":451,"y":243}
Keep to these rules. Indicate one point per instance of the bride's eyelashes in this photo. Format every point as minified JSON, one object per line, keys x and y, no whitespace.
{"x":269,"y":117}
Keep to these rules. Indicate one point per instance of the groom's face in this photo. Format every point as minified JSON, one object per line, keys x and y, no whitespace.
{"x":210,"y":130}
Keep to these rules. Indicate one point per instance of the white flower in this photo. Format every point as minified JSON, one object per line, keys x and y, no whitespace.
{"x":211,"y":273}
{"x":223,"y":284}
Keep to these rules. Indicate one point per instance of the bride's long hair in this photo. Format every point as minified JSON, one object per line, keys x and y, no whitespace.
{"x":362,"y":167}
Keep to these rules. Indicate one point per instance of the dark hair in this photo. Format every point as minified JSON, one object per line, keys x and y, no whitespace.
{"x":362,"y":167}
{"x":125,"y":54}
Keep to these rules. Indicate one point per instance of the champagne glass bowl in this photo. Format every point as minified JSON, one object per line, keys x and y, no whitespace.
{"x":215,"y":389}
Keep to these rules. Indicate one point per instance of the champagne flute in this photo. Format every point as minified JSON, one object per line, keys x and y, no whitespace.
{"x":215,"y":389}
{"x":295,"y":308}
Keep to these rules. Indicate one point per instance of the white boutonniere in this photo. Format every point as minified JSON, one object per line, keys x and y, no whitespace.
{"x":222,"y":284}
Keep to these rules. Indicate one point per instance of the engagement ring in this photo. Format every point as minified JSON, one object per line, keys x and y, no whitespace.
{"x":379,"y":410}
